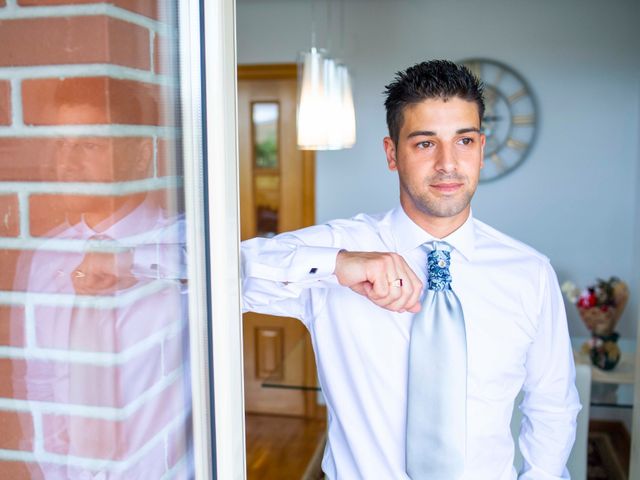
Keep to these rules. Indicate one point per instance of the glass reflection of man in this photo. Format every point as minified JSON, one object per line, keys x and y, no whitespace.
{"x":424,"y":389}
{"x":115,"y":265}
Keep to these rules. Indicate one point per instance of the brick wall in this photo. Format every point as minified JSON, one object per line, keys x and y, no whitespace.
{"x":93,"y":329}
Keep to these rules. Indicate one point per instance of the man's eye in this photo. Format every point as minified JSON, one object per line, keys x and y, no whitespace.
{"x":466,"y":141}
{"x":425,"y":144}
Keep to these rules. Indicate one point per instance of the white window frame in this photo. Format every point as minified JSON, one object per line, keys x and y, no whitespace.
{"x":212,"y":206}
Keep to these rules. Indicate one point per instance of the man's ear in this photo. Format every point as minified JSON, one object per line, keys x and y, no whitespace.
{"x":483,"y":141}
{"x":390,"y":150}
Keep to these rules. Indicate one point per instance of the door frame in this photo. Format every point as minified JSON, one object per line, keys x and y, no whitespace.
{"x":289,"y":71}
{"x":222,"y":403}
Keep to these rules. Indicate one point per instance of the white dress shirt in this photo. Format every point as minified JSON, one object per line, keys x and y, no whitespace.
{"x":517,"y":338}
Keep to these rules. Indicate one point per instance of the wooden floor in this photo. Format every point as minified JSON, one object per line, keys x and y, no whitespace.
{"x":281,"y":447}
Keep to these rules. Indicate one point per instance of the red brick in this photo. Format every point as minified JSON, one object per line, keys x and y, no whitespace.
{"x":5,"y":101}
{"x":11,"y":326}
{"x":26,"y":159}
{"x":132,"y":158}
{"x":50,"y":101}
{"x":156,"y":104}
{"x":48,"y":212}
{"x":12,"y":372}
{"x":71,"y":40}
{"x":21,"y":470}
{"x":129,"y":44}
{"x":13,"y":272}
{"x":78,"y":383}
{"x":148,"y":8}
{"x":45,"y":101}
{"x":85,"y":159}
{"x":150,"y":466}
{"x":173,"y":202}
{"x":162,"y":158}
{"x":17,"y":430}
{"x":9,"y":216}
{"x":169,"y":158}
{"x":165,"y":56}
{"x":117,"y":440}
{"x":2,"y":3}
{"x":108,"y":330}
{"x":40,"y":471}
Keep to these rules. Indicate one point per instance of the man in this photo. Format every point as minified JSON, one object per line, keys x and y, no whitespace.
{"x":357,"y":285}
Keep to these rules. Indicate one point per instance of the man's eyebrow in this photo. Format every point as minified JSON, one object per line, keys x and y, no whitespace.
{"x":422,"y":133}
{"x":468,"y":130}
{"x":430,"y":133}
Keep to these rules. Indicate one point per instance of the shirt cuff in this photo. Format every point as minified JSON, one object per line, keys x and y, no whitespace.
{"x":305,"y":265}
{"x":313,"y":263}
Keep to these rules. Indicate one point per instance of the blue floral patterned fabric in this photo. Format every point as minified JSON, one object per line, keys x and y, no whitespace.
{"x":439,"y":276}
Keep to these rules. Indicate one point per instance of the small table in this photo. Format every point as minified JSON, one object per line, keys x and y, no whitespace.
{"x":611,"y":388}
{"x":289,"y":375}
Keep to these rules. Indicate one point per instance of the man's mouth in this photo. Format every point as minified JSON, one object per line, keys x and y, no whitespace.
{"x":447,"y":187}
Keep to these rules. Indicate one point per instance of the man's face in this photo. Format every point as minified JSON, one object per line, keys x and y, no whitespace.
{"x":438,"y":157}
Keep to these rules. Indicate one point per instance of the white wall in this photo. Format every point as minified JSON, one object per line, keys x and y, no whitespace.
{"x":575,"y":197}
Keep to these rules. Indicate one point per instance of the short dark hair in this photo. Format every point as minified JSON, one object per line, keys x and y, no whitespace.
{"x":441,"y":79}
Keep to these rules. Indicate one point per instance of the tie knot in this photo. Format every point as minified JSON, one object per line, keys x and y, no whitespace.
{"x":438,"y":261}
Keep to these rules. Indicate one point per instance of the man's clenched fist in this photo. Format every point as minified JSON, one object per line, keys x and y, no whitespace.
{"x":382,"y":277}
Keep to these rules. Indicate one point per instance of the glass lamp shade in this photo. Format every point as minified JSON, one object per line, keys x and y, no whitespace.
{"x":326,"y":116}
{"x":313,"y":110}
{"x":333,"y":99}
{"x":347,"y":116}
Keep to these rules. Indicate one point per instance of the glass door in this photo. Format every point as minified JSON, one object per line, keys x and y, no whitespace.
{"x":108,"y":319}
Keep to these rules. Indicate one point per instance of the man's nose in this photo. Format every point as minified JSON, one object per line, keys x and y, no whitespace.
{"x":446,"y":160}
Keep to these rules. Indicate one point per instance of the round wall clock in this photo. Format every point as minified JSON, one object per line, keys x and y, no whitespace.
{"x":510,"y":118}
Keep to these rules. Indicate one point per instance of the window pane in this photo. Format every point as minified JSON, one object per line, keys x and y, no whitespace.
{"x":265,"y":134}
{"x":93,"y":287}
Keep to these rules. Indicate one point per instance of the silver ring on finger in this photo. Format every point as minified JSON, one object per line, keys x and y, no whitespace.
{"x":396,"y":283}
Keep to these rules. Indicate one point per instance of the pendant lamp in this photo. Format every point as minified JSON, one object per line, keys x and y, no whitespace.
{"x":325,"y":109}
{"x":313,"y":110}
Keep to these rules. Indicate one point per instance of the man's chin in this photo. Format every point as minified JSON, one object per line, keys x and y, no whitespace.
{"x":443,"y":209}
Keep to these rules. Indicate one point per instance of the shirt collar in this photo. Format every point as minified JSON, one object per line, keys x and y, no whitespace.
{"x":408,"y":235}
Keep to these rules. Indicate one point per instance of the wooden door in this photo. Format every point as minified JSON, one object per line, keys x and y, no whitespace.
{"x":276,"y":195}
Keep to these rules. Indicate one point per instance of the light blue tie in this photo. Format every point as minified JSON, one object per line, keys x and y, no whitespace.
{"x":437,"y":394}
